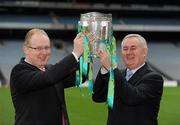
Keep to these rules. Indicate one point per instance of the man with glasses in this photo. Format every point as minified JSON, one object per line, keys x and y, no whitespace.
{"x":37,"y":89}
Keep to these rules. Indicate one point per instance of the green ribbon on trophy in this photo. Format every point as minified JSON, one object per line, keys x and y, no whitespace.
{"x":85,"y":64}
{"x":101,"y":29}
{"x":111,"y":49}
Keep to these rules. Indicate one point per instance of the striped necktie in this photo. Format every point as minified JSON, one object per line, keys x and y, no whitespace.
{"x":129,"y":74}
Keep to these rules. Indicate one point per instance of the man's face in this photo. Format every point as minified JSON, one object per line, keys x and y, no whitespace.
{"x":38,"y":50}
{"x":133,"y":53}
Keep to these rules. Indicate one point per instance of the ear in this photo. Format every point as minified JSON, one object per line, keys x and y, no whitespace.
{"x":145,"y":52}
{"x":26,"y":50}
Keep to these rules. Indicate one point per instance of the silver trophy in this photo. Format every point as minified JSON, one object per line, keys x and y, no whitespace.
{"x":98,"y":25}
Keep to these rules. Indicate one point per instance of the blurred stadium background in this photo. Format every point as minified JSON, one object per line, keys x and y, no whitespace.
{"x":157,"y":20}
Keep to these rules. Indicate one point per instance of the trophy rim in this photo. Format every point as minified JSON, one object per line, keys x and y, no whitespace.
{"x":96,"y":16}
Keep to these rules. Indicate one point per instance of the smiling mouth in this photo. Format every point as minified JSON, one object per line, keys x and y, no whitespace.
{"x":130,"y":58}
{"x":42,"y":58}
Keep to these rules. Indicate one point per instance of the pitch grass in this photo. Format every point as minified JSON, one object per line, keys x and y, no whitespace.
{"x":83,"y":111}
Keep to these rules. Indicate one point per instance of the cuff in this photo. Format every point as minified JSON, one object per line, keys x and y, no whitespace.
{"x":75,"y":57}
{"x":103,"y":70}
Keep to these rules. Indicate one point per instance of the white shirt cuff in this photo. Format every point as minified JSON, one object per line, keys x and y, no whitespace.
{"x":75,"y":56}
{"x":103,"y":70}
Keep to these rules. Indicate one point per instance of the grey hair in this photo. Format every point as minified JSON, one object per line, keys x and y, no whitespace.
{"x":139,"y":37}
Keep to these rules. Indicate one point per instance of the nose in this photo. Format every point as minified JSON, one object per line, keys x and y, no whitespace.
{"x":128,"y":51}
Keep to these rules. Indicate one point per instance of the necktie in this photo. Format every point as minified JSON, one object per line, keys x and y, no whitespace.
{"x":129,"y":74}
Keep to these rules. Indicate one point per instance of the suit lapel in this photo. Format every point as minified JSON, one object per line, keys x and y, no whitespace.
{"x":138,"y":75}
{"x":124,"y":73}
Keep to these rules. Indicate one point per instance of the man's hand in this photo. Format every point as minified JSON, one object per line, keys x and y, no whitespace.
{"x":105,"y":59}
{"x":79,"y":44}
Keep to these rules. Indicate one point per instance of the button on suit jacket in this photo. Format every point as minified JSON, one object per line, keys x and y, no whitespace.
{"x":38,"y":96}
{"x":136,"y":102}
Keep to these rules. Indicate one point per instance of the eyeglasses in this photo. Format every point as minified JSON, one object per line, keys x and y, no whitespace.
{"x":40,"y":48}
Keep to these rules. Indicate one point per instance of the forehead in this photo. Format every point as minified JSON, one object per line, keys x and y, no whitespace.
{"x":39,"y":39}
{"x":131,"y":41}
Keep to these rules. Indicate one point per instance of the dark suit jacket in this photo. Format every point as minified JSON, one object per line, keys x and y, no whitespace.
{"x":136,"y":102}
{"x":38,"y":96}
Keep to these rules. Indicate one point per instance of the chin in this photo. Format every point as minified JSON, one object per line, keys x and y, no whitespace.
{"x":130,"y":66}
{"x":43,"y":63}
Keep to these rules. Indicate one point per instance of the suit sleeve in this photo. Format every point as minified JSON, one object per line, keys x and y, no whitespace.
{"x":100,"y":87}
{"x":69,"y":81}
{"x":25,"y":78}
{"x":149,"y":88}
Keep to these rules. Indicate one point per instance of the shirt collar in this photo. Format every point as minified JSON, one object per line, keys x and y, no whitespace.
{"x":43,"y":69}
{"x":134,"y":70}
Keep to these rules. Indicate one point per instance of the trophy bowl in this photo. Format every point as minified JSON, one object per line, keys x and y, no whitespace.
{"x":99,"y":25}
